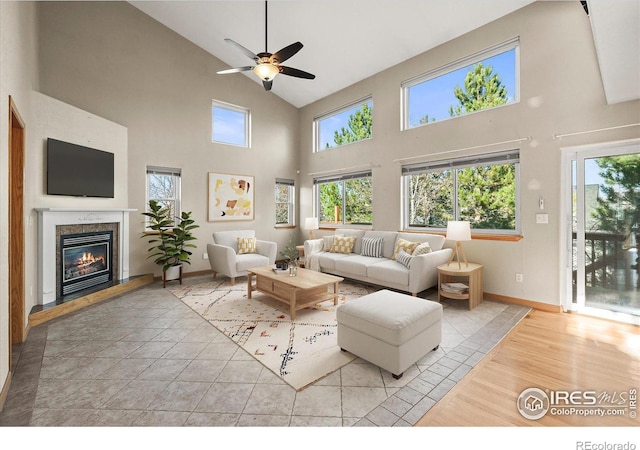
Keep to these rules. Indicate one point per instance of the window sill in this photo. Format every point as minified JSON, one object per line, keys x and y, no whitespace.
{"x":477,"y":236}
{"x":284,"y":227}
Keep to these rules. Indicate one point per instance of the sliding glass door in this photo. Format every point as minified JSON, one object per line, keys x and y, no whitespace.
{"x":602,"y":223}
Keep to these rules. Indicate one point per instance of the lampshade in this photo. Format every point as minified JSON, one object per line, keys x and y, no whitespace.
{"x":266,"y":71}
{"x":458,"y":230}
{"x":311,"y":223}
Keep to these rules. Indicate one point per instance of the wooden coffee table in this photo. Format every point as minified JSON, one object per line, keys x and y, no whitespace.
{"x":306,"y":289}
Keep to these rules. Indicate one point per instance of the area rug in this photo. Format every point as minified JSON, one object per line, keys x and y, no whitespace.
{"x":300,"y":352}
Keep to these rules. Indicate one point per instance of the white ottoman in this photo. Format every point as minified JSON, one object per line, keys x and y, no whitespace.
{"x":390,"y":329}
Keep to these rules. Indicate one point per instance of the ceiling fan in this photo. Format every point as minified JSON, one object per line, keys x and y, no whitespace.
{"x":268,"y":64}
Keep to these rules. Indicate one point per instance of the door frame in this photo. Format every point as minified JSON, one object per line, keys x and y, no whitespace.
{"x":17,"y":131}
{"x":580,"y":153}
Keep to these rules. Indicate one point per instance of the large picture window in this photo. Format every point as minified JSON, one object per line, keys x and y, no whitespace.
{"x":351,"y":123}
{"x":230,"y":124}
{"x":163,"y":185}
{"x":481,"y":81}
{"x":345,"y":199}
{"x":285,"y":196}
{"x":483,"y":190}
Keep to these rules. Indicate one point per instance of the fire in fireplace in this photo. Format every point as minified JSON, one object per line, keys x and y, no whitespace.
{"x":86,"y":260}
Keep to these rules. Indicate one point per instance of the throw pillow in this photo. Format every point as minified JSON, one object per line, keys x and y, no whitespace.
{"x":422,"y":249}
{"x":372,"y":247}
{"x":343,"y":244}
{"x":328,"y":242}
{"x":246,"y":245}
{"x":405,"y":245}
{"x":404,"y":258}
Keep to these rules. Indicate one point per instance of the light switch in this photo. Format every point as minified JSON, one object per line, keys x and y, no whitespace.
{"x":542,"y":218}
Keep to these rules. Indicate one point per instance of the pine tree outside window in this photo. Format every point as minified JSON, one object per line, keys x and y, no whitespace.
{"x":345,"y":199}
{"x":350,"y":123}
{"x":482,"y":81}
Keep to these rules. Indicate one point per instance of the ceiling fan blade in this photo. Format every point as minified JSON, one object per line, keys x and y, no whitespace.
{"x":244,"y":50}
{"x":296,"y":72}
{"x":286,"y":53}
{"x":235,"y":70}
{"x":267,"y":85}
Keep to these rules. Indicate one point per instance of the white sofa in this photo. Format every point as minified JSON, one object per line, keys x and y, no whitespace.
{"x":384,"y":271}
{"x":224,"y":258}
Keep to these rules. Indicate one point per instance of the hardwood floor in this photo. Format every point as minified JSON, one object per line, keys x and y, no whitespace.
{"x":552,"y":352}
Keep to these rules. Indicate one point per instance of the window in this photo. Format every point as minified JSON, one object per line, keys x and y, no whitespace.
{"x":230,"y":124}
{"x":350,"y":123}
{"x":454,"y":90}
{"x":482,"y":189}
{"x":163,"y":185}
{"x":285,"y":197}
{"x":345,"y":199}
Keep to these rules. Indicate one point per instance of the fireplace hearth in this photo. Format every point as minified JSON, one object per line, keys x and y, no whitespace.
{"x":86,"y":260}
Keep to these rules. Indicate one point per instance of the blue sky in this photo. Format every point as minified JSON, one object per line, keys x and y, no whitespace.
{"x":228,"y":126}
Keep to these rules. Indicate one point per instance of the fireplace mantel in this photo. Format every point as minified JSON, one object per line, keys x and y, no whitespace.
{"x":50,"y":218}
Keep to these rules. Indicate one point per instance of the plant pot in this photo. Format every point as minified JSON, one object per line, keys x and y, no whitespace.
{"x":172,"y":273}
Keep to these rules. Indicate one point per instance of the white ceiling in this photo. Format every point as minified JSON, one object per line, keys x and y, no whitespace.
{"x":339,"y":47}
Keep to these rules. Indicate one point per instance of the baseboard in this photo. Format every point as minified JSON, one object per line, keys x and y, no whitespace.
{"x":197,"y":273}
{"x":529,"y":303}
{"x":5,"y":390}
{"x":56,"y":311}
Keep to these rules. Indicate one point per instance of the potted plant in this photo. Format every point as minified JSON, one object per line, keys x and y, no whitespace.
{"x":291,"y":254}
{"x":170,"y":240}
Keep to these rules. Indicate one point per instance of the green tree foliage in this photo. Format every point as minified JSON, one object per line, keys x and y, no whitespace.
{"x":359,"y":127}
{"x":482,"y":89}
{"x":618,"y":209}
{"x":487,"y":197}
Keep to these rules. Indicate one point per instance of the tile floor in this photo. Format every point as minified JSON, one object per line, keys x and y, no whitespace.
{"x":146,"y":359}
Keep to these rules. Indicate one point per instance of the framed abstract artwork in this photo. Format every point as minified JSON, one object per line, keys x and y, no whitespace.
{"x":231,"y":197}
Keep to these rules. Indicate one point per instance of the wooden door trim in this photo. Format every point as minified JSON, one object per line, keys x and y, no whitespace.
{"x":16,"y":227}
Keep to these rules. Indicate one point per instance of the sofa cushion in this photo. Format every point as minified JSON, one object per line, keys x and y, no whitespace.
{"x":372,"y":247}
{"x":327,"y":260}
{"x":407,"y":246}
{"x":436,"y":241}
{"x":249,"y":261}
{"x":327,"y":242}
{"x":357,"y":264}
{"x":230,"y":238}
{"x":343,"y":244}
{"x":246,"y":245}
{"x":389,"y":271}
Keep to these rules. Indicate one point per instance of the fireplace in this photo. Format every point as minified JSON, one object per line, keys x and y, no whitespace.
{"x":86,"y":260}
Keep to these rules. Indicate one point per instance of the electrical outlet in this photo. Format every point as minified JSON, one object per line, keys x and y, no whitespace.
{"x":542,"y":218}
{"x":518,"y":278}
{"x":205,"y":255}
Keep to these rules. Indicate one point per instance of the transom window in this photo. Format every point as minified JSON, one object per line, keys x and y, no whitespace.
{"x":483,"y":190}
{"x":230,"y":124}
{"x":285,"y":197}
{"x":345,"y":199}
{"x":163,"y":185}
{"x":350,"y":123}
{"x":481,"y":81}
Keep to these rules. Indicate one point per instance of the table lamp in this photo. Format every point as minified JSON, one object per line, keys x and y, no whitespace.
{"x":311,"y":223}
{"x":458,"y":230}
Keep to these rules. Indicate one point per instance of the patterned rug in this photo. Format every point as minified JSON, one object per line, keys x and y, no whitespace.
{"x":300,"y":351}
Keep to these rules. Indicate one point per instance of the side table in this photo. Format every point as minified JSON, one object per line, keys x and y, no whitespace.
{"x":300,"y":249}
{"x":469,"y":274}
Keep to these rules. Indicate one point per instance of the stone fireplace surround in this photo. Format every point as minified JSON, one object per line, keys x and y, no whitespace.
{"x":52,"y":220}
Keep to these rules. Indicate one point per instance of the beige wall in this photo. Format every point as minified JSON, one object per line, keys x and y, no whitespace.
{"x":111,"y":59}
{"x":560,"y":92}
{"x":18,"y":76}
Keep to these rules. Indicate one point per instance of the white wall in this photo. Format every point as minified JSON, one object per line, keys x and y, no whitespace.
{"x":18,"y":76}
{"x":52,"y":118}
{"x":115,"y":61}
{"x":560,"y":92}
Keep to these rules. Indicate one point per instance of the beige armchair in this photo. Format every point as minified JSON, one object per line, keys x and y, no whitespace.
{"x":224,"y":257}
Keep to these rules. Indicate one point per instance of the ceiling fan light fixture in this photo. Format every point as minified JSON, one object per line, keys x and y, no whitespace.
{"x":266,"y":71}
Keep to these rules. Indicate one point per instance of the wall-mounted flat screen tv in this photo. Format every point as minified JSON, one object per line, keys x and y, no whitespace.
{"x":78,"y":171}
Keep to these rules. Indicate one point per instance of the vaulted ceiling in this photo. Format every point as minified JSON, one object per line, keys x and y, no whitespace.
{"x":348,"y":40}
